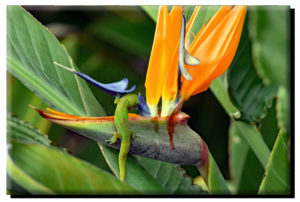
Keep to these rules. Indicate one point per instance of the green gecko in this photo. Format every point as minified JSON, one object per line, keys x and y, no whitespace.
{"x":124,"y":104}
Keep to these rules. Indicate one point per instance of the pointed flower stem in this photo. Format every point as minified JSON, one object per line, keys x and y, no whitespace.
{"x":148,"y":142}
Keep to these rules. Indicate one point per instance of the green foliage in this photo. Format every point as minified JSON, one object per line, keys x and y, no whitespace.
{"x":19,"y":92}
{"x":172,"y":178}
{"x":277,"y":174}
{"x":20,"y":131}
{"x":31,"y":52}
{"x":130,"y":36}
{"x":216,"y":182}
{"x":283,"y":109}
{"x":60,"y":173}
{"x":52,"y":171}
{"x":269,"y":30}
{"x":246,"y":170}
{"x":245,"y":88}
{"x":255,"y":141}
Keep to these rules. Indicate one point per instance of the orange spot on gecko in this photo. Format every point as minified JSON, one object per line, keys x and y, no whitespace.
{"x":121,"y":126}
{"x":124,"y":120}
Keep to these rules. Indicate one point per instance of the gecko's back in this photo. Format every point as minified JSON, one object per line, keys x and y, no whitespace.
{"x":125,"y":103}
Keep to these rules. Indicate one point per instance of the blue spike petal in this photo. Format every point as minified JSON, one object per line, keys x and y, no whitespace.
{"x":143,"y":107}
{"x":114,"y":89}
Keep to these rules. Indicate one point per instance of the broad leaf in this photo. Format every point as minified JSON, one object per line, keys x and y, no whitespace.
{"x":205,"y":13}
{"x":42,"y":170}
{"x":269,"y":29}
{"x":254,"y":140}
{"x":245,"y":169}
{"x":16,"y":91}
{"x":283,"y":109}
{"x":170,"y":176}
{"x":31,"y":52}
{"x":129,"y":34}
{"x":151,"y":11}
{"x":18,"y":130}
{"x":277,"y":174}
{"x":268,"y":126}
{"x":246,"y":89}
{"x":31,"y":158}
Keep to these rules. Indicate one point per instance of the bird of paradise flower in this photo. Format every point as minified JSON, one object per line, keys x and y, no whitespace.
{"x":177,"y":70}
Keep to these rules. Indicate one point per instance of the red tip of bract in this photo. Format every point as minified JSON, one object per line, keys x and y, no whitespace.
{"x":172,"y":121}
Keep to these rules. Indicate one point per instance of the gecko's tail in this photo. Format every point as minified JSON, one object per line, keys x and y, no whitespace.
{"x":125,"y":145}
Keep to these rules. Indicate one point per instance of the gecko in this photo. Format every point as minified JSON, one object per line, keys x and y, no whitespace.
{"x":124,"y":104}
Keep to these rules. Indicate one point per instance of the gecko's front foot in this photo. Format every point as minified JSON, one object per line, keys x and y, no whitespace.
{"x":114,"y":138}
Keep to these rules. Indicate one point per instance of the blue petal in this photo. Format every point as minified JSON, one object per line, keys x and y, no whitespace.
{"x":143,"y":107}
{"x":114,"y":89}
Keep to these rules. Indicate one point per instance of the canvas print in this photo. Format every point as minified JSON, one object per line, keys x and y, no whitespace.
{"x":149,"y":100}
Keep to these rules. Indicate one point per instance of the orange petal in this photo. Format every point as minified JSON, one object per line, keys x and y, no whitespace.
{"x":209,"y":27}
{"x":171,"y":84}
{"x":158,"y":62}
{"x":215,"y":47}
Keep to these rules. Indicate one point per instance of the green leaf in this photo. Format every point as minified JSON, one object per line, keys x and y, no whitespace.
{"x":246,"y":90}
{"x":152,"y":11}
{"x":269,"y":30}
{"x":219,"y":89}
{"x":42,"y":170}
{"x":268,"y":126}
{"x":170,"y":176}
{"x":205,"y":13}
{"x":18,"y":130}
{"x":16,"y":91}
{"x":31,"y":158}
{"x":245,"y":169}
{"x":136,"y":176}
{"x":216,"y":182}
{"x":277,"y":174}
{"x":254,"y":140}
{"x":283,"y":109}
{"x":31,"y":51}
{"x":131,"y":35}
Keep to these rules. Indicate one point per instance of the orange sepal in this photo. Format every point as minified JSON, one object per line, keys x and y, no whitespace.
{"x":215,"y":46}
{"x":170,"y":85}
{"x":158,"y":62}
